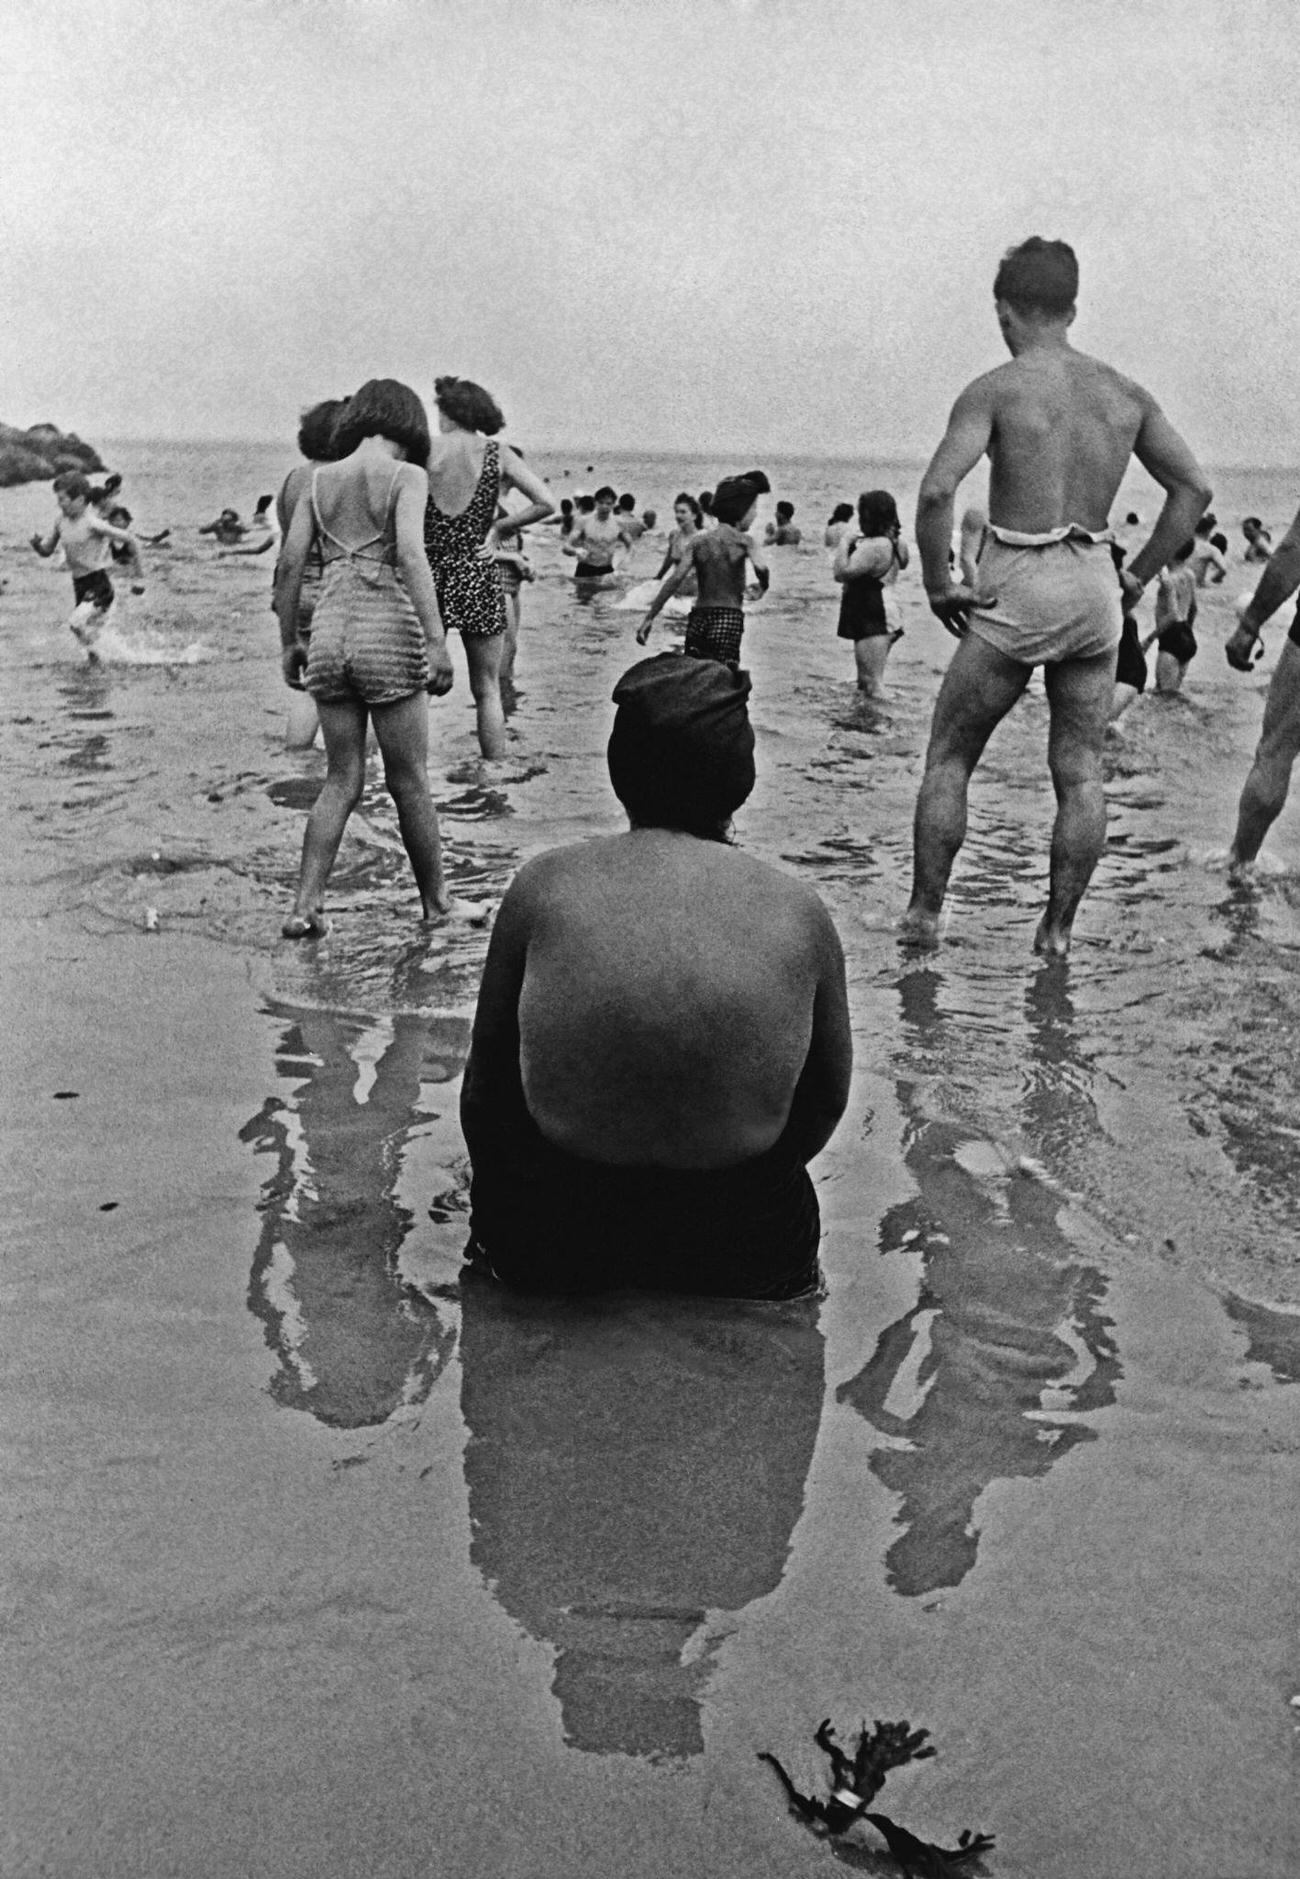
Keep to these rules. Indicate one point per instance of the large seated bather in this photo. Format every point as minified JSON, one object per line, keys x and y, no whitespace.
{"x":662,"y":1039}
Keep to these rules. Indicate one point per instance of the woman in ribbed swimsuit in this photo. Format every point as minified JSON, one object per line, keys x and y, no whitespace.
{"x":377,"y":641}
{"x":468,"y":470}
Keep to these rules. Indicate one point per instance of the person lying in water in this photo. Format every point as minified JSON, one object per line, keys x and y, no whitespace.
{"x":661,"y":1043}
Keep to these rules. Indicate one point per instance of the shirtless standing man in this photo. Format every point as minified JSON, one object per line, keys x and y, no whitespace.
{"x":597,"y":539}
{"x":1058,"y":428}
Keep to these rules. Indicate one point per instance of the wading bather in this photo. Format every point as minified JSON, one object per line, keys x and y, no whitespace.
{"x":662,"y":1039}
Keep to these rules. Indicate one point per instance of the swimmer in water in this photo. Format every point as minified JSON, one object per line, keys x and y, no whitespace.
{"x":1266,"y":788}
{"x":867,"y":564}
{"x":840,"y":519}
{"x":717,"y":557}
{"x":625,"y":510}
{"x":688,"y":522}
{"x":782,"y":533}
{"x":600,"y":539}
{"x":262,"y":533}
{"x":1259,"y":541}
{"x":1175,"y":618}
{"x":86,"y":540}
{"x":1209,"y":563}
{"x":227,"y":529}
{"x":1059,"y":429}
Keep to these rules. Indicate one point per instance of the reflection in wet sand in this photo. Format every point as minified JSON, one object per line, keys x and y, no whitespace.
{"x":353,"y":1342}
{"x":634,"y":1468}
{"x":1008,"y":1330}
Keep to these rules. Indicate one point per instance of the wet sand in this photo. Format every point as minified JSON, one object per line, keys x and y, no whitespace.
{"x":321,"y":1562}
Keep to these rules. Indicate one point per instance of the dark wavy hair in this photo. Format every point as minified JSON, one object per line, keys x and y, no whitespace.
{"x":316,"y":430}
{"x":877,"y":512}
{"x":842,"y":512}
{"x":684,"y":495}
{"x":384,"y":407}
{"x":1038,"y":277}
{"x":468,"y":405}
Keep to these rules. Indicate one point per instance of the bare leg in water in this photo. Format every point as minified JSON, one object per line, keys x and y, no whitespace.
{"x":979,"y":688}
{"x":1079,"y":695}
{"x":484,"y":653}
{"x":403,"y":733}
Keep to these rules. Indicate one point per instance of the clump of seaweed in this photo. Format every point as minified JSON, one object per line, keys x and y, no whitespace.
{"x":855,"y":1781}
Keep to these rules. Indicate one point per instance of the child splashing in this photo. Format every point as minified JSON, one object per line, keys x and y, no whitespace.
{"x":86,"y":539}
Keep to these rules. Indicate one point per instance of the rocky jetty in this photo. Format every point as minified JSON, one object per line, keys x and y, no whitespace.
{"x":37,"y":454}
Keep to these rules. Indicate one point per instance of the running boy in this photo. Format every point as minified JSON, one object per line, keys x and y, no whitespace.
{"x":717,"y":558}
{"x":86,"y":539}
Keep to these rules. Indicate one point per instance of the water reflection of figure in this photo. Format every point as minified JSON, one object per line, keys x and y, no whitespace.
{"x":633,"y":1466}
{"x":1007,"y":1310}
{"x":354,"y":1343}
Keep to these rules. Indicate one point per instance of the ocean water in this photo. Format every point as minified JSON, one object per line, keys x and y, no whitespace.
{"x":1023,"y":1145}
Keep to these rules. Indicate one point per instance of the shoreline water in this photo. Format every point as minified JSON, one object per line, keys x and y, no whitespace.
{"x":321,"y":1562}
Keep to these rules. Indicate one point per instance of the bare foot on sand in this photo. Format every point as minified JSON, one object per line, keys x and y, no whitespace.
{"x":449,"y":907}
{"x":311,"y":925}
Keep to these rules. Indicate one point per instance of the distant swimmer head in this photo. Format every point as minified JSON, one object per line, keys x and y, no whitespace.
{"x":686,"y":509}
{"x":736,"y":497}
{"x":627,"y":502}
{"x":1132,"y":519}
{"x":316,"y":429}
{"x":263,"y":504}
{"x":1037,"y":281}
{"x":784,"y":512}
{"x":706,"y":501}
{"x":842,"y":512}
{"x":878,"y":513}
{"x":681,"y":754}
{"x":384,"y":407}
{"x":1251,"y":526}
{"x":466,"y":406}
{"x":605,"y":500}
{"x":1184,"y":552}
{"x":585,"y":504}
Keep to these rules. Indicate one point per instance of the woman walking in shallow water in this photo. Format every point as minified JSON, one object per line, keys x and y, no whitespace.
{"x":377,"y":642}
{"x":468,"y":471}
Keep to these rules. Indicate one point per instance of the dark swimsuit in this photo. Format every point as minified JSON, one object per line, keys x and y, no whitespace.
{"x":543,"y":1220}
{"x":862,"y":605}
{"x":95,"y":588}
{"x":469,"y":589}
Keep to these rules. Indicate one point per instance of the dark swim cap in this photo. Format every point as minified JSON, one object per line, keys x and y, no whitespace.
{"x":735,"y":495}
{"x":681,"y":754}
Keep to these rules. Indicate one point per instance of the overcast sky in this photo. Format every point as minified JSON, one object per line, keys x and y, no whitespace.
{"x":694,"y":224}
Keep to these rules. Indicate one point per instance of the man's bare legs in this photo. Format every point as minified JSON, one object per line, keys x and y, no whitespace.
{"x":1079,"y":695}
{"x":403,"y":733}
{"x":1266,"y":787}
{"x":484,"y":653}
{"x":343,"y":727}
{"x":979,"y":688}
